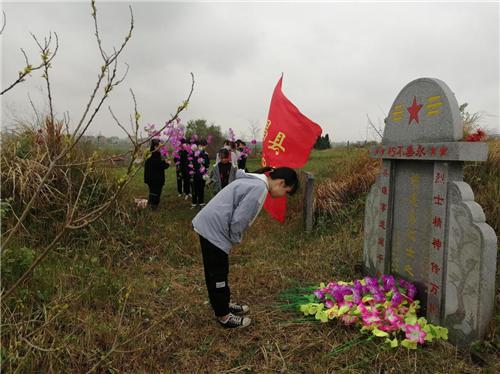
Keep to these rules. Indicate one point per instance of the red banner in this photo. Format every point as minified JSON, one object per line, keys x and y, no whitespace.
{"x":288,"y":139}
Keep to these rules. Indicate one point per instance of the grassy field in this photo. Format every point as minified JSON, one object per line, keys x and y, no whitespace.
{"x":128,"y":295}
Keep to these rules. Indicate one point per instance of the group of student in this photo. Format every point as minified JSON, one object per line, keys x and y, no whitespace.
{"x":222,"y":222}
{"x":190,"y":173}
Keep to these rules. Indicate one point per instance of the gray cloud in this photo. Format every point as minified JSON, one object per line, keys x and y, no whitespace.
{"x":340,"y":61}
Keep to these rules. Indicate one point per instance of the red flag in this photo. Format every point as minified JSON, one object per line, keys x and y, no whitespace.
{"x":288,"y":139}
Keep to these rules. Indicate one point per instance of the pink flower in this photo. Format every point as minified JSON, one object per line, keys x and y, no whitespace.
{"x":415,"y":333}
{"x":346,"y":303}
{"x":178,"y":119}
{"x":191,"y":172}
{"x":329,"y":304}
{"x":202,"y":169}
{"x":392,"y":317}
{"x":348,"y":319}
{"x":371,"y":319}
{"x":254,"y":141}
{"x":210,"y":136}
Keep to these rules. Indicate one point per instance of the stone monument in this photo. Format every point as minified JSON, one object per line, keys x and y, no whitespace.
{"x":421,"y":221}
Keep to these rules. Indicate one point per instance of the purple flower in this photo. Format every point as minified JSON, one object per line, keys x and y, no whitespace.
{"x":320,"y":295}
{"x":396,"y":300}
{"x":192,"y":140}
{"x":378,"y":297}
{"x":254,"y":141}
{"x":191,"y":172}
{"x":411,"y":291}
{"x":200,"y":160}
{"x":356,"y":298}
{"x":202,"y":169}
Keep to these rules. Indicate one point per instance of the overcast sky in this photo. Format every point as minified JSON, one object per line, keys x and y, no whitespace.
{"x":341,"y":61}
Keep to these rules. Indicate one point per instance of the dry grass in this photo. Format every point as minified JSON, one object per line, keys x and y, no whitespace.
{"x":354,"y":178}
{"x":484,"y":178}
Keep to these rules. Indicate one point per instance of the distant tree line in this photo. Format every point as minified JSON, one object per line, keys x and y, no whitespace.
{"x":322,"y":142}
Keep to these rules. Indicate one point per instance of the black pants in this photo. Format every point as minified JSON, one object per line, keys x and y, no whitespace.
{"x":180,"y":182}
{"x":198,"y":191}
{"x":154,"y":194}
{"x":216,"y":264}
{"x":187,"y":183}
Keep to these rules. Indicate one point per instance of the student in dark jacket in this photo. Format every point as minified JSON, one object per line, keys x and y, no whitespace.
{"x":201,"y":163}
{"x":242,"y":160}
{"x":154,"y":174}
{"x":183,"y":183}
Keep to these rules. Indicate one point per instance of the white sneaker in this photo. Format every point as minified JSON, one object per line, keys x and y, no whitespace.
{"x":235,"y":322}
{"x":187,"y":196}
{"x":179,"y":195}
{"x":193,"y":206}
{"x":238,"y":309}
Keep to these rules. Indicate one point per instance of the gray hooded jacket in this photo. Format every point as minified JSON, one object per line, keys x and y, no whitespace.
{"x":224,"y":219}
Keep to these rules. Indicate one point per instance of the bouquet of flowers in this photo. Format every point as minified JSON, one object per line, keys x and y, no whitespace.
{"x":381,"y":307}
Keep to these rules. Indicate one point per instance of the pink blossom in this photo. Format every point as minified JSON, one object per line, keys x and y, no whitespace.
{"x":392,"y":317}
{"x":348,"y":319}
{"x":191,"y":172}
{"x":371,"y":319}
{"x":346,"y":303}
{"x":415,"y":333}
{"x":329,"y":304}
{"x":202,"y":169}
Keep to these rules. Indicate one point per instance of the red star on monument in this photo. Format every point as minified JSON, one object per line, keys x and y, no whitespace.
{"x":414,"y":110}
{"x":433,"y":151}
{"x":443,"y":151}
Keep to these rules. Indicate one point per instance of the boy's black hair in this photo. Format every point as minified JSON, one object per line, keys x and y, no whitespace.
{"x":287,"y":174}
{"x":184,"y":141}
{"x":197,"y":142}
{"x":224,"y":153}
{"x":226,"y":142}
{"x":233,"y":145}
{"x":202,"y":142}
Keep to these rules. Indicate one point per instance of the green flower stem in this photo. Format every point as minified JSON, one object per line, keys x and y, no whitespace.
{"x":360,"y":362}
{"x":346,"y":346}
